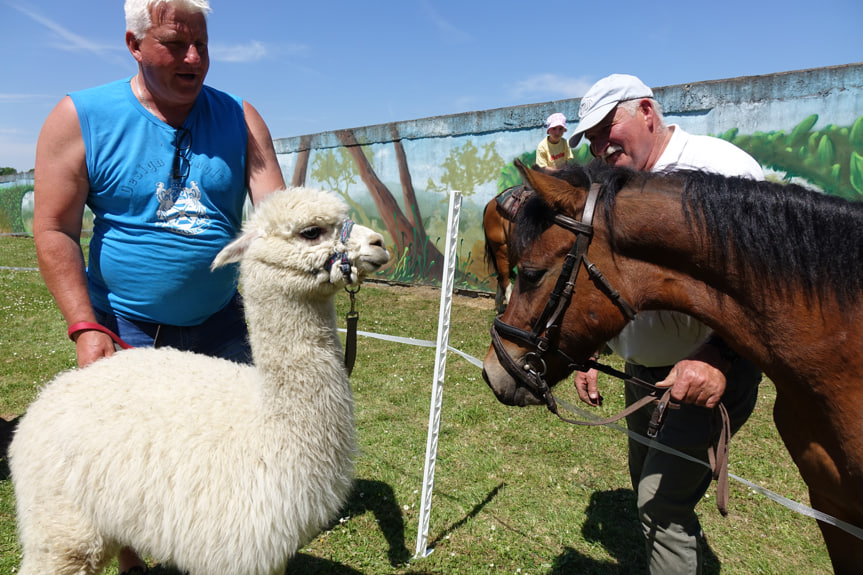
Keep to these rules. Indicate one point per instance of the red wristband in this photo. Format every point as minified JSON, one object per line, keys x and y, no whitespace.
{"x":89,"y":325}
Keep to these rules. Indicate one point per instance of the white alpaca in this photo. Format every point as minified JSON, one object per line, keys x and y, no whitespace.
{"x":215,"y":467}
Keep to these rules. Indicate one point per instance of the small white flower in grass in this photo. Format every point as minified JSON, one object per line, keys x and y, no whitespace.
{"x":406,"y":507}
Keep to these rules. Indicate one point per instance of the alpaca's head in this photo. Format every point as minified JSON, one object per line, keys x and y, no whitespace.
{"x":292,"y":237}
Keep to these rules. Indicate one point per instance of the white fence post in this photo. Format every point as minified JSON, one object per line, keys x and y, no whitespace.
{"x":447,"y":282}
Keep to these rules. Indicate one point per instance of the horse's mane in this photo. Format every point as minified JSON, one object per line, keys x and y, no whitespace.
{"x":781,"y":235}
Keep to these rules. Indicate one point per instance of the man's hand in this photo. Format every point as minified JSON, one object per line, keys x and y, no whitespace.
{"x":91,"y":345}
{"x":694,"y":381}
{"x":585,"y":385}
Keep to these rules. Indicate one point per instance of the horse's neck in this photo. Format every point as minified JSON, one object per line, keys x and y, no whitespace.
{"x":652,"y":230}
{"x":672,"y":268}
{"x":663,"y":264}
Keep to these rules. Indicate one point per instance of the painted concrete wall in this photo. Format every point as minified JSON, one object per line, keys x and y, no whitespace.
{"x":804,"y":126}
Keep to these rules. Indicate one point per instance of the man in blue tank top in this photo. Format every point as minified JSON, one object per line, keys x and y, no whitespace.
{"x":163,"y":162}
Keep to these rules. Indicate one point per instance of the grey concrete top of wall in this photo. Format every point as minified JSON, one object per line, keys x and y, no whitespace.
{"x":678,"y":100}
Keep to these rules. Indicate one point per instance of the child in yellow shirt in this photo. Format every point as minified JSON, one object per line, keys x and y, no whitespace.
{"x":554,"y":151}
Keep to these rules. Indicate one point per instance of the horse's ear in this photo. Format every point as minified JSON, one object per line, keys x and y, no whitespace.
{"x":558,"y":193}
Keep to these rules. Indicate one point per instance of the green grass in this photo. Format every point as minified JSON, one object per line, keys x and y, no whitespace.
{"x":516,"y":490}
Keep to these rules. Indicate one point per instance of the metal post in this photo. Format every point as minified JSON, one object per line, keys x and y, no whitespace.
{"x":447,"y":283}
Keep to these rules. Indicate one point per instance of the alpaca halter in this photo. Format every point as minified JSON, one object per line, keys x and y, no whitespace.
{"x":341,"y":257}
{"x":352,"y":317}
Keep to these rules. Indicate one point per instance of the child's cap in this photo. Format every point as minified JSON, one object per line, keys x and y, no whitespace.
{"x":554,"y":121}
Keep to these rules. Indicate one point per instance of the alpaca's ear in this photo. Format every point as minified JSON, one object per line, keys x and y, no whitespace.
{"x":233,"y":252}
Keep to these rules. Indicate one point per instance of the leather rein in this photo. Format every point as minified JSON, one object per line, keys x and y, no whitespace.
{"x":545,"y":334}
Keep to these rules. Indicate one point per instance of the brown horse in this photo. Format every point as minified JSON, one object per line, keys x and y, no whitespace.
{"x":496,"y":223}
{"x":773,"y":269}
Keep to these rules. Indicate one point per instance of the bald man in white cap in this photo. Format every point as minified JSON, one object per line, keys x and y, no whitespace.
{"x":624,"y":124}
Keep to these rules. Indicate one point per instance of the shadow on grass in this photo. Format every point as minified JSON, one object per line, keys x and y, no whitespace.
{"x":473,"y":513}
{"x":612,"y":521}
{"x":7,"y":430}
{"x":367,"y":495}
{"x":309,"y":565}
{"x":391,"y":522}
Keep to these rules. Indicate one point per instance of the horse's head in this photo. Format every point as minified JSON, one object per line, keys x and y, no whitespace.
{"x":558,"y":314}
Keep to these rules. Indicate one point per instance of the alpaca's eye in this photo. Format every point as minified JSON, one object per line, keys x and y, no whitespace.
{"x":312,"y":233}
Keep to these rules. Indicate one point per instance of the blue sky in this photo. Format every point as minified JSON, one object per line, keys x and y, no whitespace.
{"x":318,"y":66}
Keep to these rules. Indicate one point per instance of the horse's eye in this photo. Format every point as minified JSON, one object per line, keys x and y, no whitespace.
{"x":312,"y":233}
{"x":529,"y":275}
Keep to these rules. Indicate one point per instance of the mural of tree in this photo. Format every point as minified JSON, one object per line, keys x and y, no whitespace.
{"x":465,"y":169}
{"x":418,"y":257}
{"x":337,"y":171}
{"x":299,"y":177}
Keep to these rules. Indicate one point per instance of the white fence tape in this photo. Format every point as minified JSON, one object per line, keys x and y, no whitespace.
{"x":782,"y":500}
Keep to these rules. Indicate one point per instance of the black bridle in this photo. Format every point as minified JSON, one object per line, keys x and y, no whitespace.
{"x":544,"y":338}
{"x":545,"y":334}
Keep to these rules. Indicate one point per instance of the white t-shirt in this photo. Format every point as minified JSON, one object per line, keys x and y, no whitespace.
{"x":661,"y":338}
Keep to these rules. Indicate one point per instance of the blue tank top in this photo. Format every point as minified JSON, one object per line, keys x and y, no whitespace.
{"x":165,"y":202}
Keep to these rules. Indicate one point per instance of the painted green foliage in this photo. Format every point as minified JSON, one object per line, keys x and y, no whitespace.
{"x":337,"y":171}
{"x":856,"y":164}
{"x":830,"y":158}
{"x":509,"y":175}
{"x":465,"y":169}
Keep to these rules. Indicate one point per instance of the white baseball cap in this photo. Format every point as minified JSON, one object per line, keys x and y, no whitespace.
{"x":604,"y":96}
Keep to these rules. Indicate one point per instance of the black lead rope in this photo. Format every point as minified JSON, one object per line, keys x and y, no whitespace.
{"x":352,"y":318}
